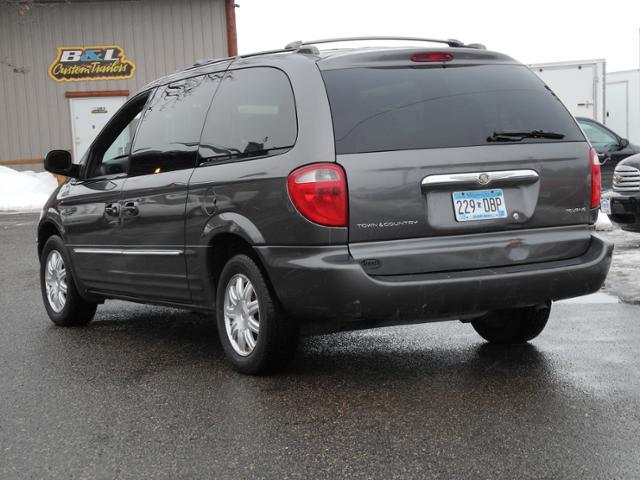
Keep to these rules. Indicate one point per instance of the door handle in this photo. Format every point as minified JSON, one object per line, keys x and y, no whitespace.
{"x":494,"y":179}
{"x":112,"y":209}
{"x":130,"y":208}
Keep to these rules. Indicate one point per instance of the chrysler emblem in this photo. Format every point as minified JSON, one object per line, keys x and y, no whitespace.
{"x":483,"y":178}
{"x":617,"y":179}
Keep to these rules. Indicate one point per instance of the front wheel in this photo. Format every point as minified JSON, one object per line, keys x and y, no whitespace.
{"x":256,"y":337}
{"x":62,"y":301}
{"x":517,"y":325}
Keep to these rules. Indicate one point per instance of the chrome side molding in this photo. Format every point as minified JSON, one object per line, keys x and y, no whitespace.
{"x":482,"y":179}
{"x":124,"y":251}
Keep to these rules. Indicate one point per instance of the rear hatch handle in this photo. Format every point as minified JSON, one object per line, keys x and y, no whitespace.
{"x":502,"y":178}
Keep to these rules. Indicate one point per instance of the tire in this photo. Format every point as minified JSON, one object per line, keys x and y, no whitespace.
{"x":256,"y":337}
{"x":68,"y":310}
{"x":518,"y":325}
{"x":634,"y":228}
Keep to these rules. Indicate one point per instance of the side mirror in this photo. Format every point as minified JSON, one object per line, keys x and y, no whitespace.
{"x":59,"y":162}
{"x":624,"y":143}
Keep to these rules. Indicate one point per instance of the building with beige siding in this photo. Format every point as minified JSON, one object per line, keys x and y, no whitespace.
{"x":67,"y":65}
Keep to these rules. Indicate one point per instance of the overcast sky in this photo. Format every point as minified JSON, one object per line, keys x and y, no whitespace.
{"x":533,"y":31}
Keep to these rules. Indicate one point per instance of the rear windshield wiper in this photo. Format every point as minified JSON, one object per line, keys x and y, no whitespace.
{"x":517,"y":136}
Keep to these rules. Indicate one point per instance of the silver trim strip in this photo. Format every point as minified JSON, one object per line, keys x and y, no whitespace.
{"x":102,"y":251}
{"x":120,"y":251}
{"x":503,"y":177}
{"x":152,"y":252}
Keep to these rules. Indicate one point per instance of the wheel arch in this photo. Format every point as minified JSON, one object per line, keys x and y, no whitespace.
{"x":226,"y":233}
{"x":47,"y":229}
{"x":224,"y":246}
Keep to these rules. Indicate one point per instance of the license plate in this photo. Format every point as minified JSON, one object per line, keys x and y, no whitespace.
{"x":605,"y":205}
{"x":475,"y":205}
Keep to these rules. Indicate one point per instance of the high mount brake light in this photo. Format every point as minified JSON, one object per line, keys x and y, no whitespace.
{"x":432,"y":57}
{"x":319,"y":192}
{"x":596,"y":178}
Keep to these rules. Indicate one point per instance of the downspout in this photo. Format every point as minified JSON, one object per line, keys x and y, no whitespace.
{"x":232,"y":34}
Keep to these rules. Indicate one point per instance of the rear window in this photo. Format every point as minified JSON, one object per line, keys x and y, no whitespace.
{"x":381,"y":109}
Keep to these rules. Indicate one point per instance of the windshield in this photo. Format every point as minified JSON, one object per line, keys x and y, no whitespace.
{"x":381,"y":109}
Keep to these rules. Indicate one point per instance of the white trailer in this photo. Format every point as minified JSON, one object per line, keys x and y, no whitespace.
{"x":579,"y":84}
{"x":623,"y":104}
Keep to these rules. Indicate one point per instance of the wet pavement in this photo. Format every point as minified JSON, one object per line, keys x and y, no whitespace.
{"x":144,"y":392}
{"x":624,"y":278}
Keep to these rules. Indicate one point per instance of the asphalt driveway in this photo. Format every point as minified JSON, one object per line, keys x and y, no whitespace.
{"x":144,"y":392}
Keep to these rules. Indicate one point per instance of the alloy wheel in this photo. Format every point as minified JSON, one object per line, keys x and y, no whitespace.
{"x":56,"y":281}
{"x":241,"y":314}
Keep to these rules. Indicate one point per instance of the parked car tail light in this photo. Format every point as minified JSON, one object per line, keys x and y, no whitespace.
{"x":432,"y":57}
{"x":596,"y":178}
{"x":319,"y":192}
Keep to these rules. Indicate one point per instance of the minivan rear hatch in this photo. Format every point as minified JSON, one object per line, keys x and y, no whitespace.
{"x":475,"y":153}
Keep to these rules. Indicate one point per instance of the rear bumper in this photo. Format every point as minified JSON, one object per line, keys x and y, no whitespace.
{"x":327,"y":290}
{"x":625,"y":209}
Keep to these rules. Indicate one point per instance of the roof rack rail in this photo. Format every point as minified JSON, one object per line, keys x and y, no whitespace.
{"x":308,"y":50}
{"x":308,"y":47}
{"x":207,"y":61}
{"x":450,"y":42}
{"x":269,"y":52}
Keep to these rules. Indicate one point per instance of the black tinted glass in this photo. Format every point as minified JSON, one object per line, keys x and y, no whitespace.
{"x":170,"y":130}
{"x":378,"y":109}
{"x":252,"y":114}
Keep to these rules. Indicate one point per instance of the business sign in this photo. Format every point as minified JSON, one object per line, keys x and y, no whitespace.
{"x":105,"y":62}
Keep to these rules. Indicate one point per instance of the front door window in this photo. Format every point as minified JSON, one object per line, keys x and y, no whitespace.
{"x":88,"y":117}
{"x":110,"y":153}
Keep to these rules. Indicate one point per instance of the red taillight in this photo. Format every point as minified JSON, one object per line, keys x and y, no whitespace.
{"x":432,"y":57}
{"x":596,"y":178}
{"x":319,"y":192}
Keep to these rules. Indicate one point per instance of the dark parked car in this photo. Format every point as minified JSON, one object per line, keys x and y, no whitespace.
{"x":611,"y":147}
{"x":300,"y":191}
{"x":623,"y":204}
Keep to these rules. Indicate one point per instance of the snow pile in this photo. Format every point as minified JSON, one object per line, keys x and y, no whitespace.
{"x":24,"y":190}
{"x":603,"y":224}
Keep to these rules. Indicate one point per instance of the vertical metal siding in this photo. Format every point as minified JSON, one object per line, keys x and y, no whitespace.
{"x":159,"y":36}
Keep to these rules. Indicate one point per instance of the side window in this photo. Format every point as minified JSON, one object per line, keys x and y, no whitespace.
{"x":252,"y":114}
{"x":170,"y":129}
{"x":598,"y":136}
{"x":110,"y":153}
{"x":121,"y":147}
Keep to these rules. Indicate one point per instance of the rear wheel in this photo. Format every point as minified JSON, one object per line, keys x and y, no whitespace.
{"x":62,"y":301}
{"x":256,"y":337}
{"x":517,"y":325}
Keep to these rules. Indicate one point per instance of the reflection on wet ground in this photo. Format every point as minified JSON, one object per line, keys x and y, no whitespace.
{"x":623,"y":280}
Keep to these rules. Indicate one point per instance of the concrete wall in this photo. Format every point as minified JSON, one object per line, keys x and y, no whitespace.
{"x":159,"y":36}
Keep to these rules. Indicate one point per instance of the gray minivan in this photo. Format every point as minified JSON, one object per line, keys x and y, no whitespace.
{"x":303,"y":191}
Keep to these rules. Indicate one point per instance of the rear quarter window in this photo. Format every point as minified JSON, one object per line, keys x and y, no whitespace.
{"x":381,"y":109}
{"x":252,"y":114}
